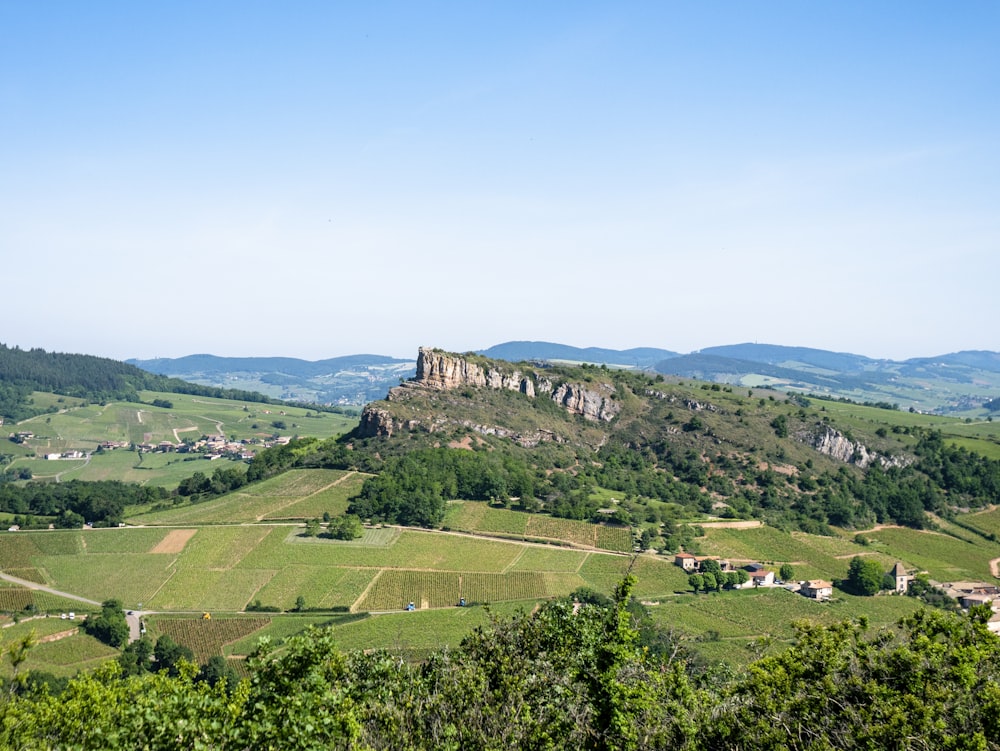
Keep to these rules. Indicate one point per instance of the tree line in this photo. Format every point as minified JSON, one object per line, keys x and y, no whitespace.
{"x":568,"y":675}
{"x":96,"y":379}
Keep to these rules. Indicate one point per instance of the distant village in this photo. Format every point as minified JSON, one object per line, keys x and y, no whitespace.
{"x":966,"y":594}
{"x":210,"y":447}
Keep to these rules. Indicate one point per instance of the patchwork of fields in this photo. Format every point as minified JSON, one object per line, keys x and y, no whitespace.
{"x":223,"y":554}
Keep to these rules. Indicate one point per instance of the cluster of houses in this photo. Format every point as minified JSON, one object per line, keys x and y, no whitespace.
{"x":759,"y":576}
{"x":210,"y":447}
{"x":66,"y":455}
{"x":970,"y":594}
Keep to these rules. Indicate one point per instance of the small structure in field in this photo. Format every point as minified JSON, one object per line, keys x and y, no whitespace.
{"x":816,"y":589}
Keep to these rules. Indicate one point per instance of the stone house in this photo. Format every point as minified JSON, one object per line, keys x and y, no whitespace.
{"x":817,"y":589}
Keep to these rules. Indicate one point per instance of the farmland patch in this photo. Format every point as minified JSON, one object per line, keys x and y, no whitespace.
{"x":174,"y":542}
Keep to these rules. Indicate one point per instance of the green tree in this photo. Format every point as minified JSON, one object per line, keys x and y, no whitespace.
{"x":110,"y":626}
{"x":864,"y":576}
{"x":346,"y":527}
{"x":217,"y":670}
{"x":135,"y":659}
{"x":786,"y":572}
{"x":170,"y":655}
{"x":696,"y":582}
{"x":780,"y":425}
{"x":710,"y":566}
{"x":931,"y":683}
{"x":709,"y":582}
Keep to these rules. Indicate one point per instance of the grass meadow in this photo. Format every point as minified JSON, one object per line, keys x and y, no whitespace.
{"x":472,"y":516}
{"x":83,"y":427}
{"x":61,"y":649}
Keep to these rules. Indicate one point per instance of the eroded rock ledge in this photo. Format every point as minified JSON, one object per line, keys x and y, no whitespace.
{"x":835,"y":444}
{"x":443,"y":371}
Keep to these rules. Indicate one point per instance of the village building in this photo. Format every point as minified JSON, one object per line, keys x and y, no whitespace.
{"x":695,"y":563}
{"x":762,"y":578}
{"x":686,"y":561}
{"x":816,"y":589}
{"x":902,"y":579}
{"x":978,"y":598}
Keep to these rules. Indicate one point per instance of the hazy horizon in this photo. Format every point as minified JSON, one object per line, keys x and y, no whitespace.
{"x":318,"y":180}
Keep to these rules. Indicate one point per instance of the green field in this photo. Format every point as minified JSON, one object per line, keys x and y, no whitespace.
{"x":298,"y":494}
{"x":479,"y":517}
{"x":83,"y":428}
{"x":727,"y":626}
{"x":61,"y":649}
{"x":220,"y":555}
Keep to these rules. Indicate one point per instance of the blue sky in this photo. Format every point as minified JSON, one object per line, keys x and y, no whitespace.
{"x":317,"y":179}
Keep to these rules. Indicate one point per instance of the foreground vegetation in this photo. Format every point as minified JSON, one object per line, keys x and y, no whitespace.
{"x":589,"y":677}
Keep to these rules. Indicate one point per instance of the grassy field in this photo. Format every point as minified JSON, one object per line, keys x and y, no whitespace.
{"x":988,"y":521}
{"x":82,"y":428}
{"x":730,"y":627}
{"x":481,"y":518}
{"x":206,"y":637}
{"x":220,"y":555}
{"x":61,"y":648}
{"x":393,"y":589}
{"x":297,"y":495}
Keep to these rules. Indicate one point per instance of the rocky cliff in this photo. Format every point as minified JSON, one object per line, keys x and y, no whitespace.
{"x":436,"y":369}
{"x":442,"y":371}
{"x":835,"y":444}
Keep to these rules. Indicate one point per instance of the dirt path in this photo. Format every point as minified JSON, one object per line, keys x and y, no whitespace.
{"x":364,"y":594}
{"x":177,"y":438}
{"x":86,"y":461}
{"x":42,"y":588}
{"x":995,"y":567}
{"x":743,"y":524}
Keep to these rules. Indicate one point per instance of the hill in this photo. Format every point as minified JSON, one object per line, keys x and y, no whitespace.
{"x":552,"y":434}
{"x":349,"y":380}
{"x":956,"y":383}
{"x":641,"y":357}
{"x":94,"y":379}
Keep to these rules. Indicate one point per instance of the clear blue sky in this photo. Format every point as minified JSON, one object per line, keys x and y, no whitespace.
{"x":314,"y":179}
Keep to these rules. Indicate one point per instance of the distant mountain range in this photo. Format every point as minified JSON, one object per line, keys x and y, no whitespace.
{"x":349,"y":380}
{"x":959,"y":382}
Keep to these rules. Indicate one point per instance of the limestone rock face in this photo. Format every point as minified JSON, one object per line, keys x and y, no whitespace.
{"x":376,"y":421}
{"x":835,"y":444}
{"x":444,"y":371}
{"x":441,"y":370}
{"x":590,"y":403}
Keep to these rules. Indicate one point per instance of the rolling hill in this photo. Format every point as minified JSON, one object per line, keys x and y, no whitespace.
{"x":956,"y":383}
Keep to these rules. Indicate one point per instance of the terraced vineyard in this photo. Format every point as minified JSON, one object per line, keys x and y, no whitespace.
{"x":297,"y":494}
{"x":472,"y":516}
{"x":393,"y":590}
{"x":206,"y":638}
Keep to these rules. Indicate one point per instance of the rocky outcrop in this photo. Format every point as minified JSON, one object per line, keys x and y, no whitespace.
{"x":835,"y":444}
{"x":440,"y":370}
{"x":587,"y":402}
{"x":436,"y":369}
{"x":378,"y":421}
